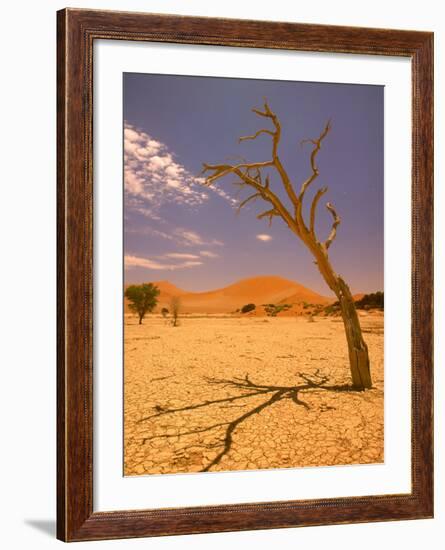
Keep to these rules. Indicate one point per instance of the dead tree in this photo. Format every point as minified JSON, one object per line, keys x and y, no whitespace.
{"x":255,"y":175}
{"x":175,"y":306}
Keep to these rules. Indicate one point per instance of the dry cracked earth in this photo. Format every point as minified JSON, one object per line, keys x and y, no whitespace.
{"x":225,"y":393}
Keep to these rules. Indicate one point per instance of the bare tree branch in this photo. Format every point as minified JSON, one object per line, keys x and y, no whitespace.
{"x":245,"y":201}
{"x":299,"y":209}
{"x":277,"y":133}
{"x":263,"y":113}
{"x":221,"y":170}
{"x":276,"y":160}
{"x":335,"y":224}
{"x":256,"y":134}
{"x":315,"y":200}
{"x":268,"y":214}
{"x":315,"y":150}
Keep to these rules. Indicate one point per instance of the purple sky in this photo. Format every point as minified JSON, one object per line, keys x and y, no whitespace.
{"x":178,"y":230}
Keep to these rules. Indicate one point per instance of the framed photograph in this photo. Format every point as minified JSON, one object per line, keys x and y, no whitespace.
{"x":245,"y":228}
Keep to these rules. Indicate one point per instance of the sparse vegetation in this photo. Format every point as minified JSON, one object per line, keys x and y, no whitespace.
{"x":164,"y":312}
{"x":332,"y":309}
{"x":142,"y":298}
{"x":247,"y":308}
{"x":374,"y":300}
{"x":317,"y":309}
{"x":175,"y":306}
{"x":272,"y":310}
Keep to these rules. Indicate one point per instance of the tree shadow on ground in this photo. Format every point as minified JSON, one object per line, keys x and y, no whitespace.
{"x":246,"y":389}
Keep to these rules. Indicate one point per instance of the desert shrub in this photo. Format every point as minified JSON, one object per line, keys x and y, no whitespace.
{"x":272,"y":310}
{"x":247,"y":308}
{"x":332,"y":309}
{"x":373,"y":300}
{"x":164,"y":312}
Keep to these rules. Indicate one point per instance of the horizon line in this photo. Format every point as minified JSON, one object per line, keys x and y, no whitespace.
{"x":214,"y":289}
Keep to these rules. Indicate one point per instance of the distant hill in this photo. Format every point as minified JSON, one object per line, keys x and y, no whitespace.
{"x":257,"y":290}
{"x":168,"y":289}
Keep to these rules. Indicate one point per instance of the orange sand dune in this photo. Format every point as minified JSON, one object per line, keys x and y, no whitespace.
{"x":257,"y":290}
{"x":168,"y":290}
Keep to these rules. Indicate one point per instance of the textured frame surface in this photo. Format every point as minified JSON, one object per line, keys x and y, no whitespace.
{"x":77,"y":30}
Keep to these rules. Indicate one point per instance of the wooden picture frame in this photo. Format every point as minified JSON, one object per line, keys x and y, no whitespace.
{"x":77,"y":31}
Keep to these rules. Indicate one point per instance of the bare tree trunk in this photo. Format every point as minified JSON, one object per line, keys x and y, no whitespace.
{"x":357,"y":348}
{"x":175,"y":306}
{"x":140,"y":319}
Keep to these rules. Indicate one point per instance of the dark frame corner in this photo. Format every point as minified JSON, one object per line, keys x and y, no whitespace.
{"x":76,"y":32}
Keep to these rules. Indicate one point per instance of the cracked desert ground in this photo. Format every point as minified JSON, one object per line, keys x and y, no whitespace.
{"x":222,"y":392}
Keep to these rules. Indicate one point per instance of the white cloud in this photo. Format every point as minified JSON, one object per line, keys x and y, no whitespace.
{"x":158,"y":163}
{"x":192,"y":238}
{"x":147,"y":263}
{"x":174,"y":171}
{"x":182,"y":256}
{"x":152,"y":174}
{"x":263,"y":237}
{"x":178,"y":235}
{"x":169,"y":261}
{"x":131,"y":136}
{"x":142,"y":207}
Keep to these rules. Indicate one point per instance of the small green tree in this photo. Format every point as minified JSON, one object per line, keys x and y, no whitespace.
{"x":143,"y":298}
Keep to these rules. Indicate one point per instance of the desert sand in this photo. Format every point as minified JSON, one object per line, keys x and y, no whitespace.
{"x":229,"y":392}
